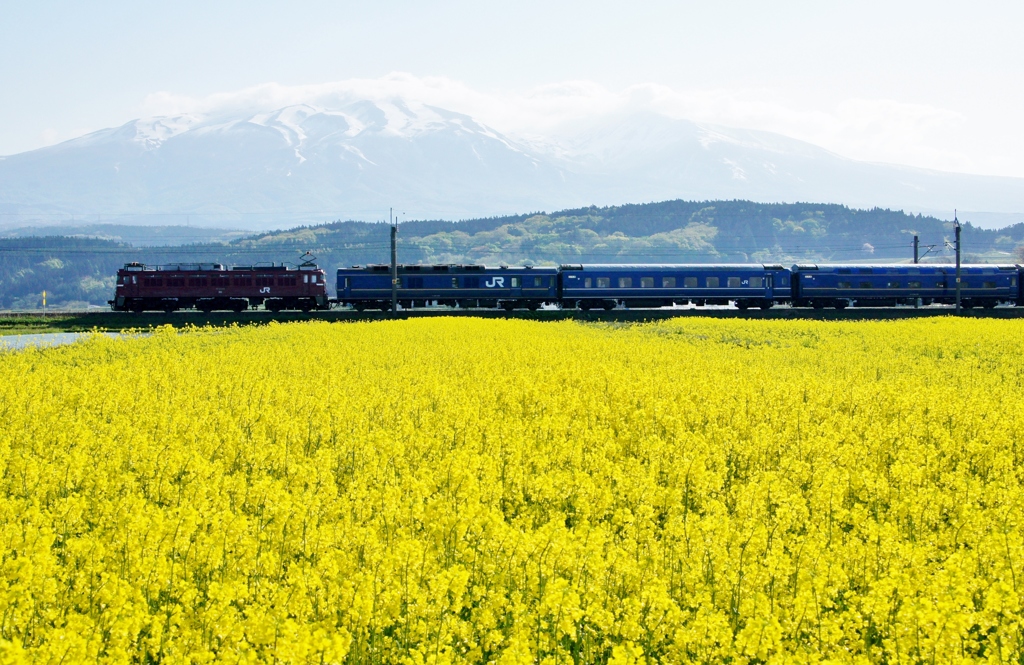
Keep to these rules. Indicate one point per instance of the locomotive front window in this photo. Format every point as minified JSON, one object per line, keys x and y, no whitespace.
{"x":711,"y":282}
{"x":646,"y":282}
{"x":604,"y":282}
{"x":625,"y":282}
{"x":668,"y":282}
{"x":305,"y":279}
{"x":690,"y":282}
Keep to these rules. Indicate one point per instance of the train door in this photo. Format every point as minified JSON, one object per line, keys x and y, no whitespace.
{"x":516,"y":286}
{"x":769,"y":286}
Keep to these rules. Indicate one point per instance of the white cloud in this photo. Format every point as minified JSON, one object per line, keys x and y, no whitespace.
{"x":881,"y":130}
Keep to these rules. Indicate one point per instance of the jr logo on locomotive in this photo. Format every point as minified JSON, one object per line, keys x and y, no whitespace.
{"x":495,"y":281}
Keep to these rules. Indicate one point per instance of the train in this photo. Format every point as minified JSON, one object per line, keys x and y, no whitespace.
{"x":595,"y":286}
{"x":212,"y":286}
{"x":209,"y":287}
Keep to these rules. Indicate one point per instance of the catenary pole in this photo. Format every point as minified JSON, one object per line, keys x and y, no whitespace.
{"x":916,"y":245}
{"x":394,"y":262}
{"x":956,"y":230}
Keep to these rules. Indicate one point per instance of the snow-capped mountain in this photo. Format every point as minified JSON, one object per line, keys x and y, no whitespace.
{"x":306,"y":164}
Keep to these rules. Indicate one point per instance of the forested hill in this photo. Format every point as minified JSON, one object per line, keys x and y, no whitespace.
{"x":676,"y":231}
{"x":80,"y":270}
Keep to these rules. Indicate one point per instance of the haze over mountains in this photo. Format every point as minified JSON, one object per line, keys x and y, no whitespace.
{"x":308,"y":164}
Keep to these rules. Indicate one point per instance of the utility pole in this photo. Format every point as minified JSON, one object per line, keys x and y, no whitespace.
{"x":394,"y":262}
{"x":956,"y":229}
{"x":916,"y":245}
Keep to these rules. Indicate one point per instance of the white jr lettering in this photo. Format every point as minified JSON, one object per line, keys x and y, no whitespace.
{"x":265,"y":289}
{"x":495,"y":281}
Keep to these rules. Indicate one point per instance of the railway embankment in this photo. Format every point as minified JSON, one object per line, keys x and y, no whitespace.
{"x":32,"y":322}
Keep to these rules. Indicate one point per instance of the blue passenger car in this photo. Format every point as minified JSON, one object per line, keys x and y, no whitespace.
{"x":748,"y":285}
{"x":369,"y":287}
{"x":834,"y":285}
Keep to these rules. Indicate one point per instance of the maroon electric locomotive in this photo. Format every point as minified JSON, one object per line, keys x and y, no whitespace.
{"x":211,"y":286}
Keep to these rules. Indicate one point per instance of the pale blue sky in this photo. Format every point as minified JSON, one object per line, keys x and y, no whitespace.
{"x":925,"y":83}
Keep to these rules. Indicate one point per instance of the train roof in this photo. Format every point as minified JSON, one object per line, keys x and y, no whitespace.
{"x":900,"y":266}
{"x":671,"y":266}
{"x":209,"y":267}
{"x":443,"y":267}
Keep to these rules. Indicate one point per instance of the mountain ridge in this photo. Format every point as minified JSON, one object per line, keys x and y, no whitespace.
{"x":304,"y":164}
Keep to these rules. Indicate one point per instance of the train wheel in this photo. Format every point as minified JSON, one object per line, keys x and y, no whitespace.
{"x":508,"y":305}
{"x":841,"y":304}
{"x":742,"y":304}
{"x":766,"y":304}
{"x":609,"y":305}
{"x":584,"y":306}
{"x":359,"y":307}
{"x":532,"y":306}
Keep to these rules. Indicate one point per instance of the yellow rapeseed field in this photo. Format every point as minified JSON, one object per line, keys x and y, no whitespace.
{"x":467,"y":491}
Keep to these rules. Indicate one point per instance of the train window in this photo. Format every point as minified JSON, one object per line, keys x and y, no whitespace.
{"x":668,"y":282}
{"x":865,"y":285}
{"x":988,"y":285}
{"x":845,"y":285}
{"x":455,"y":282}
{"x":604,"y":282}
{"x":893,"y":285}
{"x":586,"y":283}
{"x":711,"y":282}
{"x":733,"y":282}
{"x":305,"y":279}
{"x":625,"y":282}
{"x":864,"y":271}
{"x":646,"y":282}
{"x":913,"y":285}
{"x":940,"y":285}
{"x":346,"y":282}
{"x":756,"y":282}
{"x":134,"y":281}
{"x":120,"y":279}
{"x":1013,"y":281}
{"x":414,"y":283}
{"x":538,"y":281}
{"x":690,"y":282}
